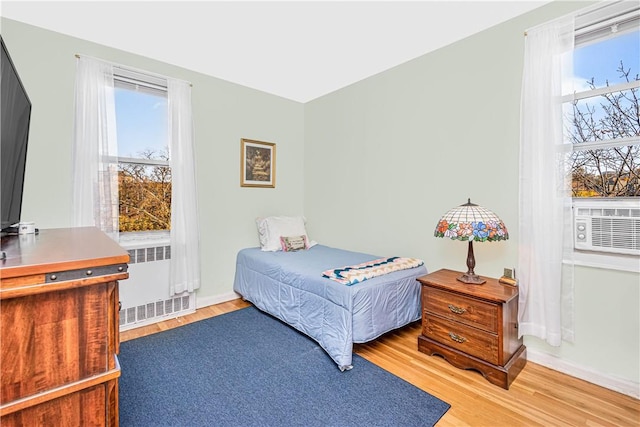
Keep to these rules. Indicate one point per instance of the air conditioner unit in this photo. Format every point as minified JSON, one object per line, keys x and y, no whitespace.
{"x":613,"y":229}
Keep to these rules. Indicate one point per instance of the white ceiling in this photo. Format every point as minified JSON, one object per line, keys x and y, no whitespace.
{"x":299,"y":50}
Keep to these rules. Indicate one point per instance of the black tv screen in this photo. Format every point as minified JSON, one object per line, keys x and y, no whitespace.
{"x":15,"y":113}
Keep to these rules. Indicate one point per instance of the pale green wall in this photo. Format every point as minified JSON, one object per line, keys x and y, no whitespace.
{"x":387,"y":156}
{"x":372,"y":166}
{"x":607,"y":324}
{"x":223,"y":114}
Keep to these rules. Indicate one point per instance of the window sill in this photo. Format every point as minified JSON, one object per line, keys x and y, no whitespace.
{"x":140,"y":239}
{"x":617,"y":262}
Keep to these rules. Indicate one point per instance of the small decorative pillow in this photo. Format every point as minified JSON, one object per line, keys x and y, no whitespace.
{"x":271,"y":228}
{"x":293,"y":243}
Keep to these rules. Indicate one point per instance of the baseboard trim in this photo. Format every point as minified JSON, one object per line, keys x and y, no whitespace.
{"x":202,"y":302}
{"x":630,"y":388}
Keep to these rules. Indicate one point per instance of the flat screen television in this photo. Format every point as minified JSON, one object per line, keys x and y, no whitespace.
{"x":15,"y":117}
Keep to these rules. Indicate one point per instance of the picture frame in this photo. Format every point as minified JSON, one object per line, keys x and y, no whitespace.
{"x":257,"y":163}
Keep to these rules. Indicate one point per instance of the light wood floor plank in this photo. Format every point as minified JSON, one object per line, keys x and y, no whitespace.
{"x":538,"y":397}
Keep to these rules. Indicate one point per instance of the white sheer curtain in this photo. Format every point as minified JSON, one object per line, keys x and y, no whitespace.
{"x":546,"y":285}
{"x":185,"y":236}
{"x":95,"y":167}
{"x":95,"y":148}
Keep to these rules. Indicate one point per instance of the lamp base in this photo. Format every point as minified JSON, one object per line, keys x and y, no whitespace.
{"x":471,"y":279}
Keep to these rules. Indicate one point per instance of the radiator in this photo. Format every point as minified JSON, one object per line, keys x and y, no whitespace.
{"x":144,"y":297}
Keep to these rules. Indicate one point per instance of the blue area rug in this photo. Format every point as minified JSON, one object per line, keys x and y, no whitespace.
{"x":246,"y":368}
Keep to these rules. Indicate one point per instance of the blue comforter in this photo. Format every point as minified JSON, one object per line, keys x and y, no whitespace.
{"x":290,"y":286}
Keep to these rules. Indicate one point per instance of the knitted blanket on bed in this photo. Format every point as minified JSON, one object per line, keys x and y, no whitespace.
{"x":352,"y":274}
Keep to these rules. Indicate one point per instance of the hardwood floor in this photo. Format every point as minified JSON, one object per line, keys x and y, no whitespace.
{"x":538,"y":397}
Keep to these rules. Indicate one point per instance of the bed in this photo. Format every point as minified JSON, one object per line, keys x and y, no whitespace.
{"x":290,"y":286}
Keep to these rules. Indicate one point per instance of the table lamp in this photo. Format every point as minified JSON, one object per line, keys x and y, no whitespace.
{"x":470,"y":222}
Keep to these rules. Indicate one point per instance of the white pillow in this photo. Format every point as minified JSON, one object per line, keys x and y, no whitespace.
{"x":270,"y":230}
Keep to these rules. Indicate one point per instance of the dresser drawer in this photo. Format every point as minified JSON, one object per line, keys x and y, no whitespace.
{"x":467,"y":339}
{"x":470,"y":311}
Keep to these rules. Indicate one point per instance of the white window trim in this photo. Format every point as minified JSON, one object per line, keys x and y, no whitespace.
{"x":595,"y":145}
{"x":142,"y":161}
{"x":604,"y":261}
{"x":132,"y":79}
{"x":592,"y":93}
{"x":143,"y":239}
{"x":143,"y":81}
{"x":594,"y":25}
{"x":606,"y":19}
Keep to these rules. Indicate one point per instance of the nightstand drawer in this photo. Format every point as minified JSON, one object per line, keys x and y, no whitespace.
{"x":460,"y":308}
{"x":467,"y":339}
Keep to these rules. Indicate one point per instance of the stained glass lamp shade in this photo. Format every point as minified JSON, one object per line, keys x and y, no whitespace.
{"x":470,"y":222}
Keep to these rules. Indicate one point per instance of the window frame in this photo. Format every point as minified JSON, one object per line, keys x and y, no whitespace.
{"x":138,"y":81}
{"x":595,"y":25}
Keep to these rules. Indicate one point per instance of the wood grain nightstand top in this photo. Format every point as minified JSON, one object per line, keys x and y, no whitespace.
{"x":491,"y":290}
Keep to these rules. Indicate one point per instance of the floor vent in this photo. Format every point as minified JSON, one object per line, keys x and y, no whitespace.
{"x":155,"y":311}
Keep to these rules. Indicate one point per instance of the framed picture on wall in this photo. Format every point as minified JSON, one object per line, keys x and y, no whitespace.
{"x":257,"y":163}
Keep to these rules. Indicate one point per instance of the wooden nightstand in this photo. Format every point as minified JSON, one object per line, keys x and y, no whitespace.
{"x":472,"y":326}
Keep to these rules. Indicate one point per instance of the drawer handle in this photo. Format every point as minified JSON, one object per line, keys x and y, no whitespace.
{"x":457,"y":310}
{"x":457,"y":338}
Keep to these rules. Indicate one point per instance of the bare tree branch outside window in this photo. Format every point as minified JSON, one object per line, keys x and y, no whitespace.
{"x":144,"y":175}
{"x":612,"y":170}
{"x":145,"y":194}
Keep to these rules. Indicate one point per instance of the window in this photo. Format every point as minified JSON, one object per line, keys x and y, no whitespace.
{"x":602,"y":124}
{"x":98,"y":170}
{"x":144,"y":175}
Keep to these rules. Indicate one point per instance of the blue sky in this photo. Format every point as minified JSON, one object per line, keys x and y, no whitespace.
{"x":141,"y":121}
{"x":600,"y":60}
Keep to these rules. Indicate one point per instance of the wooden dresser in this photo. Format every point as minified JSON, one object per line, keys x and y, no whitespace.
{"x":472,"y":326}
{"x":59,"y":328}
